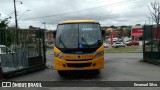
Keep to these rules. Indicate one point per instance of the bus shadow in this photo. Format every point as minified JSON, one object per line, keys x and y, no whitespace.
{"x":80,"y":75}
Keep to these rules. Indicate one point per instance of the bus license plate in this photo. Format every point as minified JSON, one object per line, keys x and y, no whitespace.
{"x":79,"y":68}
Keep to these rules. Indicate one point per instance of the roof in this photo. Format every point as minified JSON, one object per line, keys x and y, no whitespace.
{"x":78,"y":21}
{"x":137,"y":27}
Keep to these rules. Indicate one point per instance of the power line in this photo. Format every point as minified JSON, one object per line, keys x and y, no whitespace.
{"x":70,"y":4}
{"x":78,"y":10}
{"x":97,"y":14}
{"x":72,"y":11}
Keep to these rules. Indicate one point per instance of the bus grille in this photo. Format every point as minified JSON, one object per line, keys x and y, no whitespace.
{"x":80,"y":60}
{"x":79,"y":64}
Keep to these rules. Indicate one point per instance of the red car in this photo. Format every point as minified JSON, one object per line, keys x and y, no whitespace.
{"x":132,"y":43}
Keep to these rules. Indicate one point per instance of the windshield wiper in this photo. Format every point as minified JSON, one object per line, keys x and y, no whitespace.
{"x":85,"y":41}
{"x":62,"y":42}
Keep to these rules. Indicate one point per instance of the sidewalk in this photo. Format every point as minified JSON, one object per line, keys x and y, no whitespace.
{"x":49,"y":58}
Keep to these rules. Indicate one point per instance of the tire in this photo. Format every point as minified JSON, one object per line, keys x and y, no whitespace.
{"x":62,"y":73}
{"x":97,"y":71}
{"x":158,"y":49}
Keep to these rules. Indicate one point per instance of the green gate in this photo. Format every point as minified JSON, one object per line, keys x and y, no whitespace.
{"x":21,"y":50}
{"x":151,"y":44}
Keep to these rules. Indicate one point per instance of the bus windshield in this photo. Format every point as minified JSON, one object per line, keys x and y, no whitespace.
{"x":78,"y":36}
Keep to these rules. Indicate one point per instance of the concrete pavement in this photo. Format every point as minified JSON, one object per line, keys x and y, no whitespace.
{"x":118,"y":67}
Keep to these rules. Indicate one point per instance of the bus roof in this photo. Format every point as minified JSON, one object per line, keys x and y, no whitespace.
{"x":78,"y":21}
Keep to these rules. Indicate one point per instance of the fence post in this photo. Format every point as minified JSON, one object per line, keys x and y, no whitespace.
{"x":144,"y":41}
{"x":44,"y":46}
{"x":1,"y":72}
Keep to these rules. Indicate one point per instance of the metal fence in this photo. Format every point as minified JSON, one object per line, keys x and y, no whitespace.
{"x":21,"y":49}
{"x":151,"y":44}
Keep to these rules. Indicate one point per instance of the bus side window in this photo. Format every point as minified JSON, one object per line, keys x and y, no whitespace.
{"x":54,"y":34}
{"x":103,"y":32}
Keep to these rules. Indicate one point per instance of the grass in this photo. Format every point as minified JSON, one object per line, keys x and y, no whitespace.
{"x":127,"y":49}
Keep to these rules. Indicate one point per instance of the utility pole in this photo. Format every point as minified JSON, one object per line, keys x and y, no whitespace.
{"x":15,"y":12}
{"x":44,"y":30}
{"x":44,"y":40}
{"x":16,"y":22}
{"x":149,"y":21}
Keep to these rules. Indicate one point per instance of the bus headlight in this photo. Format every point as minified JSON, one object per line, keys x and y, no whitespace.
{"x":58,"y":55}
{"x":99,"y":54}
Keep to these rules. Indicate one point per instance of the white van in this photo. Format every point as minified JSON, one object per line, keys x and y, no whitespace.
{"x":115,"y":39}
{"x":4,"y":50}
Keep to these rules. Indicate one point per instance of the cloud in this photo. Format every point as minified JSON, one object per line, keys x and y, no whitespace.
{"x":108,"y":12}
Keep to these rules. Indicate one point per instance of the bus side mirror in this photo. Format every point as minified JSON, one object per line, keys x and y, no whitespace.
{"x":103,"y":33}
{"x":54,"y":34}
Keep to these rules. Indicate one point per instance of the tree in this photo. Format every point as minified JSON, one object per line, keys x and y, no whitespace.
{"x":121,"y":32}
{"x":113,"y":26}
{"x":108,"y":33}
{"x":128,"y":34}
{"x":138,"y":25}
{"x":5,"y":35}
{"x":155,"y":15}
{"x":4,"y":23}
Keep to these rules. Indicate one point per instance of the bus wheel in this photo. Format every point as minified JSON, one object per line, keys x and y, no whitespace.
{"x":62,"y":73}
{"x":97,"y":71}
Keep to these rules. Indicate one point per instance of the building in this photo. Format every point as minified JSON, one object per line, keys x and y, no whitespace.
{"x":49,"y":40}
{"x":137,"y":33}
{"x":155,"y":32}
{"x":49,"y":37}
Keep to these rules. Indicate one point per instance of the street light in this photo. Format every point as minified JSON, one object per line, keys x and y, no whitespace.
{"x":9,"y":15}
{"x":23,"y":14}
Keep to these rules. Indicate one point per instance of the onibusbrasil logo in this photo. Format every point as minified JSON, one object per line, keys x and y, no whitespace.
{"x":21,"y":84}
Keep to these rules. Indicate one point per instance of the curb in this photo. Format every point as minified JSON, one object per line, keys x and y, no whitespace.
{"x":50,"y":67}
{"x":123,"y":52}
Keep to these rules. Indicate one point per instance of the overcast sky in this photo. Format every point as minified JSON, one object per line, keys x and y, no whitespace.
{"x":108,"y":12}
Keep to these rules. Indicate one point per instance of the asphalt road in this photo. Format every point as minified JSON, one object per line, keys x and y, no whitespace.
{"x":118,"y":67}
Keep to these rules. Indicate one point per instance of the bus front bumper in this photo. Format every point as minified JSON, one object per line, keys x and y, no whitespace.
{"x":97,"y":63}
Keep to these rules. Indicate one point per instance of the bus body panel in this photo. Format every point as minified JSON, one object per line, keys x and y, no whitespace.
{"x":78,"y":21}
{"x":93,"y":63}
{"x":79,"y":61}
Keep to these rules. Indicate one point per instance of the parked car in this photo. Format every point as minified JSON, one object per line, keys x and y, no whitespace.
{"x":50,"y":45}
{"x":120,"y":40}
{"x":2,"y":51}
{"x":115,"y":39}
{"x":5,"y":50}
{"x":105,"y":45}
{"x":118,"y":44}
{"x":127,"y":42}
{"x":136,"y":43}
